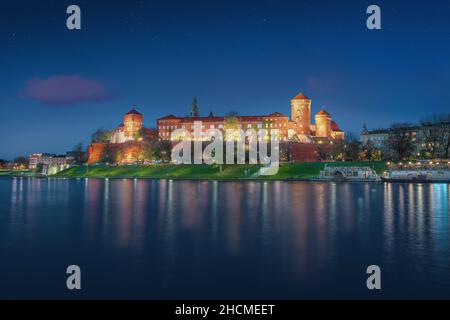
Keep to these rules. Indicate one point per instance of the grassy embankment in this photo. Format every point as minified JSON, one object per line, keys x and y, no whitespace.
{"x":5,"y":172}
{"x":304,"y":170}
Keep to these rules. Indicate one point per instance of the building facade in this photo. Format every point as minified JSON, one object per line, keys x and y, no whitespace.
{"x":36,"y":159}
{"x":298,"y":126}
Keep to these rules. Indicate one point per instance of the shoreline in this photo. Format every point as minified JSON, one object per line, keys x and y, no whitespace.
{"x":295,"y":172}
{"x":311,"y":180}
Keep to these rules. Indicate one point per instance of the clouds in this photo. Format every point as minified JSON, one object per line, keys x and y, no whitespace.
{"x":64,"y":90}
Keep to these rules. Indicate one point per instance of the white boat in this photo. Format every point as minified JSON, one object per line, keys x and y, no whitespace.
{"x":335,"y":173}
{"x":418,"y":175}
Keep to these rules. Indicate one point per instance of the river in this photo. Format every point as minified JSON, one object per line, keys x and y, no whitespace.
{"x":163,"y":239}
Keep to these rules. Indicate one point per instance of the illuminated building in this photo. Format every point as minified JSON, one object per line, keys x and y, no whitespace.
{"x":299,"y":127}
{"x":129,"y":129}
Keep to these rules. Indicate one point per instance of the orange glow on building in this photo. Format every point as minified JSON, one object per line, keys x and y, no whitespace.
{"x":299,"y":125}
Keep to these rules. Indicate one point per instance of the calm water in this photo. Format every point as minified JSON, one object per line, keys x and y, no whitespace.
{"x":183,"y":239}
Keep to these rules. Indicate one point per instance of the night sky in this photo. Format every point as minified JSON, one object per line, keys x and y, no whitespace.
{"x":247,"y":56}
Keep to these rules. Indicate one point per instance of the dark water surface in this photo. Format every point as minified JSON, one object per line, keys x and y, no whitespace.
{"x":186,"y":239}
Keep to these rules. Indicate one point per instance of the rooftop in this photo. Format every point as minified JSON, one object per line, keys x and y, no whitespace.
{"x":322,"y":112}
{"x":300,"y":96}
{"x":134,"y":111}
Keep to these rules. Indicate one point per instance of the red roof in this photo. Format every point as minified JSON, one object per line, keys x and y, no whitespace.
{"x":334,"y":126}
{"x":170,"y":116}
{"x":221,"y":119}
{"x":203,"y":119}
{"x":300,"y":96}
{"x":276,"y":114}
{"x":134,"y":111}
{"x":322,"y":112}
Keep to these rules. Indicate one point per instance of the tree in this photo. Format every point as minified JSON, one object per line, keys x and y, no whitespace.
{"x":284,"y":152}
{"x":400,"y":141}
{"x":338,"y":149}
{"x":370,"y":152}
{"x":352,"y":148}
{"x":195,"y":111}
{"x":445,"y":137}
{"x":109,"y":155}
{"x":78,"y":153}
{"x":21,"y":162}
{"x":211,"y":114}
{"x":39,"y":168}
{"x":3,"y":164}
{"x":151,"y":134}
{"x":324,"y":151}
{"x":231,"y":122}
{"x":163,"y":151}
{"x":102,"y":135}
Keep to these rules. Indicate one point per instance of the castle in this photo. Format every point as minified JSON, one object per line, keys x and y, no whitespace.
{"x":128,"y":135}
{"x":298,"y":128}
{"x":126,"y":138}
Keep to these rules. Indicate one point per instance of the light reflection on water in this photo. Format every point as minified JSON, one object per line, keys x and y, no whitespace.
{"x":185,"y":239}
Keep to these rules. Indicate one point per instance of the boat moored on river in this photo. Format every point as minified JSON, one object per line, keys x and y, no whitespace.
{"x":336,"y":173}
{"x":417,"y":176}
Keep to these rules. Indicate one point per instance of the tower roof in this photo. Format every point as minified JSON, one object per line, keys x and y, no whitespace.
{"x":300,"y":96}
{"x":335,"y":127}
{"x":322,"y":112}
{"x":134,"y":111}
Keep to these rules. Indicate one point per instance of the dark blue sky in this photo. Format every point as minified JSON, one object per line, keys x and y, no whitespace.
{"x":248,"y":56}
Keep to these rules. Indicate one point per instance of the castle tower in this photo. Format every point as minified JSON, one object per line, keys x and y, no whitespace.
{"x":301,"y":113}
{"x":132,"y":123}
{"x":323,"y":124}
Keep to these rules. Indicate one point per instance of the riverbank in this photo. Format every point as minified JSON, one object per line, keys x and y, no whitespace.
{"x":297,"y":171}
{"x":14,"y":173}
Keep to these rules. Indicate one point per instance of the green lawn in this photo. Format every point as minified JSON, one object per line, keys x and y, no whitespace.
{"x":160,"y":171}
{"x":14,"y":172}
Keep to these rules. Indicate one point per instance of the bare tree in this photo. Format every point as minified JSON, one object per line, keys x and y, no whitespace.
{"x":445,"y":136}
{"x":400,"y":141}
